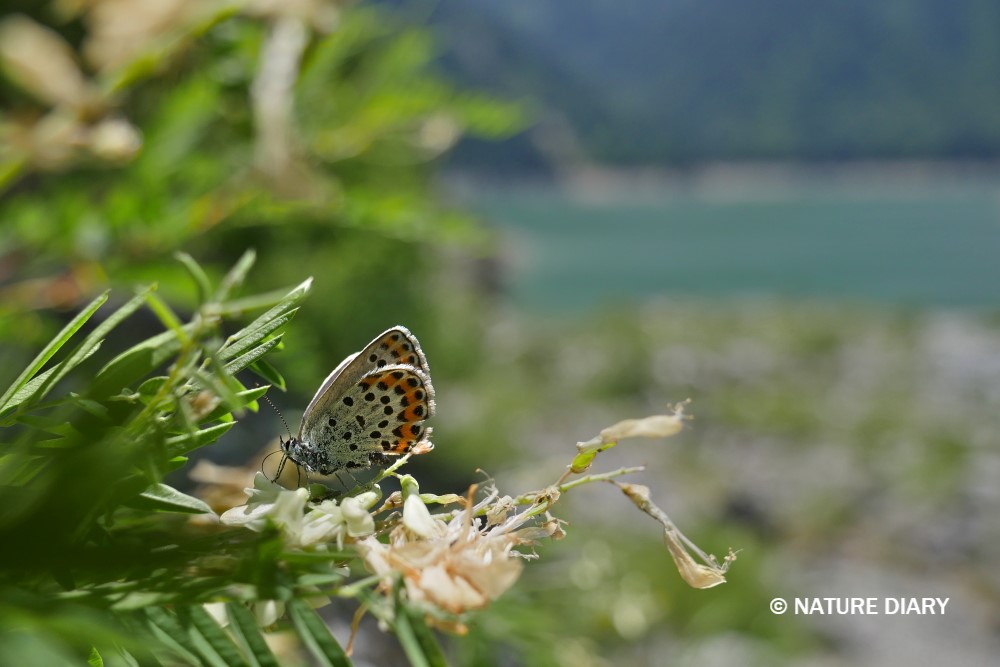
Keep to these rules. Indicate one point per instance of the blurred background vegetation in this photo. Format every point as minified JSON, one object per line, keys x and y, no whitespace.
{"x":567,"y":203}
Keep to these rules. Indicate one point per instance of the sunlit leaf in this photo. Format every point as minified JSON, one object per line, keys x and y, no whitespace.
{"x":198,"y":275}
{"x":236,"y":275}
{"x":268,"y":373}
{"x":165,"y":498}
{"x":252,"y":355}
{"x":250,"y":337}
{"x":244,"y":626}
{"x":218,"y":647}
{"x":316,"y":635}
{"x":181,"y":444}
{"x":54,"y":346}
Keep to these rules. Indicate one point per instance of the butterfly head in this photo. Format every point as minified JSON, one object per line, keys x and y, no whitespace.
{"x":294,"y":449}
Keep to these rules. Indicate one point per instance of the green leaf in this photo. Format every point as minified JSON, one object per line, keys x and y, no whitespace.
{"x":87,"y":347}
{"x":54,"y":346}
{"x":243,"y":305}
{"x":231,"y":384}
{"x":218,"y":642}
{"x":316,"y":635}
{"x":247,"y":398}
{"x":137,"y":361}
{"x":284,"y":307}
{"x":214,"y":383}
{"x":408,"y":639}
{"x":95,"y":659}
{"x":429,"y":646}
{"x":165,"y":498}
{"x":198,"y":274}
{"x":176,"y":463}
{"x":28,"y":390}
{"x":253,"y":355}
{"x":181,"y":444}
{"x":149,"y":388}
{"x":171,"y":633}
{"x":582,"y":461}
{"x":236,"y":275}
{"x":250,"y":336}
{"x":244,"y":626}
{"x":166,"y":316}
{"x":320,"y":579}
{"x":268,"y":373}
{"x":46,"y":425}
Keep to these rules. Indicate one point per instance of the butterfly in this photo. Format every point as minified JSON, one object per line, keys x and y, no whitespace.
{"x":371,"y":408}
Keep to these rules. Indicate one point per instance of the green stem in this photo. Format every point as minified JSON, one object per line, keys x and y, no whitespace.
{"x":529,"y":498}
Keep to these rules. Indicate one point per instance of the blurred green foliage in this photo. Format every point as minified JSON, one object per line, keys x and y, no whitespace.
{"x":95,"y":541}
{"x":340,"y":186}
{"x":127,"y":133}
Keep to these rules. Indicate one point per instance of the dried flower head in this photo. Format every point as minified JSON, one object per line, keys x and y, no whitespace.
{"x":449,"y":562}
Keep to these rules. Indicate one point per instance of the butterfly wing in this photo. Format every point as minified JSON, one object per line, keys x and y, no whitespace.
{"x":393,"y":346}
{"x":371,"y":406}
{"x":379,"y":416}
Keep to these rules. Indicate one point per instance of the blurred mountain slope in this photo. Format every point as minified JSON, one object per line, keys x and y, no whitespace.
{"x":676,"y":81}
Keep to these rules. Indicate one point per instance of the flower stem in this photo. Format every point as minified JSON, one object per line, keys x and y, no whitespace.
{"x":562,"y":486}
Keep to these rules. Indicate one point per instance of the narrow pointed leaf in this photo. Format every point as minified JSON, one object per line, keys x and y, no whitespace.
{"x":247,"y":398}
{"x":220,"y":642}
{"x":86,"y":348}
{"x":138,"y":361}
{"x":54,"y":346}
{"x":29,"y":390}
{"x":168,"y":499}
{"x":316,"y":635}
{"x":236,"y":275}
{"x":171,"y":633}
{"x":244,"y":626}
{"x":198,"y":275}
{"x":429,"y":645}
{"x":181,"y":444}
{"x":252,"y":355}
{"x":215,"y":385}
{"x":249,"y":337}
{"x":166,"y":315}
{"x":284,"y":307}
{"x":243,"y":305}
{"x":268,"y":373}
{"x":408,"y":640}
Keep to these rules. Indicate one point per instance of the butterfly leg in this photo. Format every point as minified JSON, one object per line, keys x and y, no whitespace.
{"x":281,"y":468}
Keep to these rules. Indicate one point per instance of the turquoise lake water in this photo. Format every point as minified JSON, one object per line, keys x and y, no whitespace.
{"x":922,"y":247}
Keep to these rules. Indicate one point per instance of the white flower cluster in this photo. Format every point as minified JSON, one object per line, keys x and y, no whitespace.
{"x":327,"y":522}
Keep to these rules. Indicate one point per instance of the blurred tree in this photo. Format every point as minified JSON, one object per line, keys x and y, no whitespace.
{"x":308,"y":130}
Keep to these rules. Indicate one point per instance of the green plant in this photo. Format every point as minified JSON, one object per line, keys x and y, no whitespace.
{"x":85,"y":450}
{"x":103,"y":560}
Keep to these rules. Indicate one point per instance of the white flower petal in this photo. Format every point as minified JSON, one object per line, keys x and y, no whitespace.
{"x":359,"y":521}
{"x":268,"y":612}
{"x":418,"y":519}
{"x":451,"y":593}
{"x":217,"y":610}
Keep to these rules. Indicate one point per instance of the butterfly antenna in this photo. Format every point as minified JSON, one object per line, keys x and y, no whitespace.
{"x":284,"y":456}
{"x":280,"y":416}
